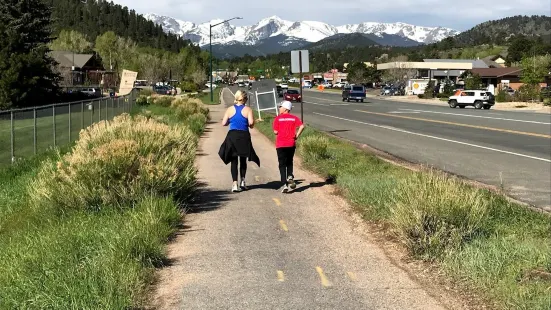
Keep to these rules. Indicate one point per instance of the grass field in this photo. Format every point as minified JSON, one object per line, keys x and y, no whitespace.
{"x":65,"y":129}
{"x":498,"y":249}
{"x":86,"y":253}
{"x":205,"y":97}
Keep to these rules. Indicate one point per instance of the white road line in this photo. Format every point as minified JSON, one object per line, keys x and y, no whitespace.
{"x":325,"y":105}
{"x":479,"y":116}
{"x":438,"y":138}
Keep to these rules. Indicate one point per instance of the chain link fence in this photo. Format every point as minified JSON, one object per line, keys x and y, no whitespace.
{"x":30,"y":131}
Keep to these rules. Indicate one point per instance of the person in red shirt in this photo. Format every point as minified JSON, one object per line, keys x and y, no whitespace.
{"x":285,"y":128}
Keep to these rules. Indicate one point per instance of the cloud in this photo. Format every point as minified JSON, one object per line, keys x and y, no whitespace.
{"x":460,"y":15}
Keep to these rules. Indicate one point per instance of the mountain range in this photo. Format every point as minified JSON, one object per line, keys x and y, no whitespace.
{"x":273,"y":34}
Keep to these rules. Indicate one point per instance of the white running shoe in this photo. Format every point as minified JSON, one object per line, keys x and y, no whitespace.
{"x":243,"y":184}
{"x":291,"y":182}
{"x":285,"y":189}
{"x":235,"y":188}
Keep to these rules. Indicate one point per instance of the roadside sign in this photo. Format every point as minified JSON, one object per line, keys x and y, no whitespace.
{"x":266,"y":101}
{"x":300,"y":58}
{"x":300,"y":64}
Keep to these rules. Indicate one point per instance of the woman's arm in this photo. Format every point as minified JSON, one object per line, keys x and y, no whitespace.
{"x":225,"y":119}
{"x":250,"y":117}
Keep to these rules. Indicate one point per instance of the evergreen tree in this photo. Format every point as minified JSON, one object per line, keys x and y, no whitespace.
{"x":26,"y":69}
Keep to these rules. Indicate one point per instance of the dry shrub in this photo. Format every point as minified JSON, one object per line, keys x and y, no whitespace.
{"x":435,"y":213}
{"x":196,"y":122}
{"x":186,"y":107}
{"x":163,"y":101}
{"x":117,"y":163}
{"x":314,"y":147}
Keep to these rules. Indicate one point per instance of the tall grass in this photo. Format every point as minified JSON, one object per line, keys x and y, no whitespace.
{"x":498,"y":248}
{"x":93,"y":229}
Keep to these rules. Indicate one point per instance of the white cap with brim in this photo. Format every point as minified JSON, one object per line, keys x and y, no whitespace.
{"x":286,"y":104}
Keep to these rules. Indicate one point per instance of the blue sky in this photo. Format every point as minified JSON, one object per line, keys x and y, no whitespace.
{"x":459,"y":15}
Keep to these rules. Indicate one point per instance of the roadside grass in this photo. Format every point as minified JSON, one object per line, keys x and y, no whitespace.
{"x":495,"y":247}
{"x":85,"y":228}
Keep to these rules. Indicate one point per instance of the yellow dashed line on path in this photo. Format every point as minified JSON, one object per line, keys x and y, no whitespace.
{"x":324,"y":281}
{"x":283,"y":225}
{"x":352,"y":276}
{"x":277,"y":202}
{"x":257,"y":178}
{"x":280,"y":276}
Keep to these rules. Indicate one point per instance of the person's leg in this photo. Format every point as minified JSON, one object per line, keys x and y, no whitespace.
{"x":234,"y":163}
{"x":243,"y":170}
{"x":282,"y":167}
{"x":289,"y":163}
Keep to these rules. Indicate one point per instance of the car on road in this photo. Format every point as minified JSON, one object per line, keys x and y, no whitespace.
{"x":241,"y":84}
{"x":284,"y":85}
{"x":292,"y":95}
{"x":476,"y":98}
{"x":356,"y":92}
{"x":94,"y":92}
{"x":338,"y":85}
{"x":213,"y":85}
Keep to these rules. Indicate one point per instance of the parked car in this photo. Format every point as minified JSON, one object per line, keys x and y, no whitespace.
{"x":161,"y":90}
{"x":338,"y":85}
{"x":356,"y":92}
{"x":95,"y":92}
{"x":284,"y":85}
{"x":292,"y":95}
{"x":241,"y":84}
{"x":476,"y":98}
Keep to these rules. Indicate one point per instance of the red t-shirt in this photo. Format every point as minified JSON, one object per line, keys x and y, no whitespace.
{"x":286,"y":125}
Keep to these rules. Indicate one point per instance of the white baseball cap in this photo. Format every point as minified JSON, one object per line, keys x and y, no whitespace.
{"x":286,"y":104}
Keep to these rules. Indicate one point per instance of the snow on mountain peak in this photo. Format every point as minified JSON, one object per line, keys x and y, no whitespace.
{"x":311,"y":31}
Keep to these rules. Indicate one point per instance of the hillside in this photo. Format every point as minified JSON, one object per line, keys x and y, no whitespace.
{"x":93,"y":18}
{"x":500,"y":31}
{"x":342,"y":41}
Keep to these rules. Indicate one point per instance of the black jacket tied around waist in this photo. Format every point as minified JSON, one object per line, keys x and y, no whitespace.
{"x":238,"y":143}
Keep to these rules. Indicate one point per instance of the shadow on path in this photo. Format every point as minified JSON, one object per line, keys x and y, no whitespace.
{"x":207,"y":199}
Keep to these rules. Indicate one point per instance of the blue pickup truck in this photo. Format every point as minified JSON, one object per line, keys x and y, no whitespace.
{"x":354,"y":92}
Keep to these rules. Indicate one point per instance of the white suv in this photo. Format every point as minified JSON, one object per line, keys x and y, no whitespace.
{"x":476,"y":98}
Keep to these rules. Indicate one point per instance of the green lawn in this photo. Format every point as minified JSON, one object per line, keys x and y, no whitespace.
{"x":499,"y":249}
{"x":67,"y":127}
{"x":205,"y":97}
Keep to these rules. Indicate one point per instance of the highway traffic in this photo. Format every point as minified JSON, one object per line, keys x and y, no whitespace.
{"x":507,"y":149}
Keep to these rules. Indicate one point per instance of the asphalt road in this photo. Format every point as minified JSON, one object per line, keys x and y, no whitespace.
{"x":508,"y":149}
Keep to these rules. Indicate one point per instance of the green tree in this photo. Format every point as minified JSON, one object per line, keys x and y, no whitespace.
{"x":106,"y":46}
{"x":357,"y":72}
{"x":26,"y":69}
{"x":534,"y":69}
{"x":473,"y":81}
{"x":72,"y":41}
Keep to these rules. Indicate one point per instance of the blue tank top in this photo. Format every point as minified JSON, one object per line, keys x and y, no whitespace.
{"x":238,"y":121}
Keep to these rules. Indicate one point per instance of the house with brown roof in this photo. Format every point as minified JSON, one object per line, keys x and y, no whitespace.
{"x":503,"y":76}
{"x":78,"y":69}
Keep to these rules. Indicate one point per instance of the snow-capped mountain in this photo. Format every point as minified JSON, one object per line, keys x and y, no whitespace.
{"x":309,"y":31}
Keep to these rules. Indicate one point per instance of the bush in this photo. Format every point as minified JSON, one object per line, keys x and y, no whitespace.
{"x":547,"y":101}
{"x":163,"y":101}
{"x":146,"y":92}
{"x":142,"y":100}
{"x":527,"y":92}
{"x":185,"y":107}
{"x":421,"y":96}
{"x":429,"y":90}
{"x":188,"y":86}
{"x":434,"y":213}
{"x":503,"y":96}
{"x":196,"y":123}
{"x":115,"y":163}
{"x":314,"y":147}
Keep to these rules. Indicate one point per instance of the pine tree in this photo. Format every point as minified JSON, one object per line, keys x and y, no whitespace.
{"x":26,"y":69}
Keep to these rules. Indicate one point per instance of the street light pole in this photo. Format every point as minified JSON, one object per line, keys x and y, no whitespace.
{"x":210,"y":48}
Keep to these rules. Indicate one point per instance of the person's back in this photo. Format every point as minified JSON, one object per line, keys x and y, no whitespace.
{"x":238,"y":121}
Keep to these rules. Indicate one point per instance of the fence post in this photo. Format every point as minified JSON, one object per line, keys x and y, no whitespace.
{"x":34,"y":130}
{"x":12,"y":139}
{"x":81,"y":115}
{"x":106,"y":110}
{"x":70,"y":123}
{"x":99,"y":114}
{"x":53,"y":108}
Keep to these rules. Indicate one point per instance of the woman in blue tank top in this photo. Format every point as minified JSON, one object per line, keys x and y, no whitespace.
{"x":240,"y":118}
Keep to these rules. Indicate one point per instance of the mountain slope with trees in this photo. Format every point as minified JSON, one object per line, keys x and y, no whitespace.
{"x":94,"y":17}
